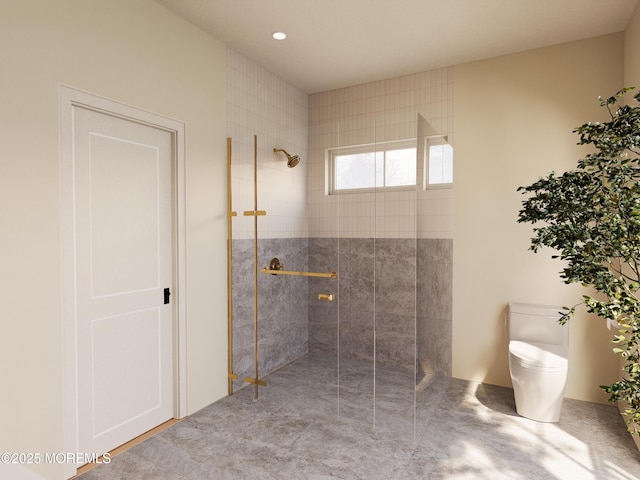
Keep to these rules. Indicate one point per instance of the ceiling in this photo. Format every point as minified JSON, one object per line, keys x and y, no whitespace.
{"x":337,"y":43}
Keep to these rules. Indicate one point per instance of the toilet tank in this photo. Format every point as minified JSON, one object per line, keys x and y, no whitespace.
{"x":537,"y":324}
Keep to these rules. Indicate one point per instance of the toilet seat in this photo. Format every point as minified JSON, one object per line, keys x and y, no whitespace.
{"x":542,"y":357}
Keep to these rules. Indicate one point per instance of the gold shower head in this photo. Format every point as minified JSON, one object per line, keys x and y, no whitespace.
{"x":292,"y":160}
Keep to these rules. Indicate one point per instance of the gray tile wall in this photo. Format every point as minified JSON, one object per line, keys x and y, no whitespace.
{"x":402,"y":288}
{"x":282,"y":306}
{"x":323,"y":315}
{"x":395,"y":294}
{"x":377,"y":289}
{"x":435,"y":305}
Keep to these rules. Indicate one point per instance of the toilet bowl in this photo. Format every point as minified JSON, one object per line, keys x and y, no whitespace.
{"x":539,"y":377}
{"x":538,"y":360}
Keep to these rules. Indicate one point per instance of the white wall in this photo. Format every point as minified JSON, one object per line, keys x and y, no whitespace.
{"x":513,"y":118}
{"x":259,"y":103}
{"x":135,"y":52}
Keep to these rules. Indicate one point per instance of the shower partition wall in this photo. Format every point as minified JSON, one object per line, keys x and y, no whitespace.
{"x":434,"y":267}
{"x":268,"y":309}
{"x":390,"y":254}
{"x":243,"y":312}
{"x":375,"y":331}
{"x":370,"y":331}
{"x":389,"y":332}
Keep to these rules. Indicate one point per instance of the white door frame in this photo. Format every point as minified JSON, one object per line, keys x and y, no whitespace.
{"x":69,"y":98}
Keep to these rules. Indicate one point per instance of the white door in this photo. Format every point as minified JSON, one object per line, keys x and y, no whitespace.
{"x":123,"y":217}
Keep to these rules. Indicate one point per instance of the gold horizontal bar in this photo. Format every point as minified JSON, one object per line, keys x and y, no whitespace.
{"x":255,"y":381}
{"x":325,"y":296}
{"x":254,"y":213}
{"x":301,"y":274}
{"x":233,"y":376}
{"x":233,"y":214}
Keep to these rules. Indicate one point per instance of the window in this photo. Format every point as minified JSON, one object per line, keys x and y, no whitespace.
{"x":439,"y":171}
{"x":388,"y":166}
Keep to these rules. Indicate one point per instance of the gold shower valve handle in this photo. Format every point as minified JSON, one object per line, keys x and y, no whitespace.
{"x":326,"y":296}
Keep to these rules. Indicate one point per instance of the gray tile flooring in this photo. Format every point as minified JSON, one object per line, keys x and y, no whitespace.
{"x":311,"y":423}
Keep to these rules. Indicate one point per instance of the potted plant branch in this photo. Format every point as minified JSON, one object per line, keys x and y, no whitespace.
{"x":591,"y":217}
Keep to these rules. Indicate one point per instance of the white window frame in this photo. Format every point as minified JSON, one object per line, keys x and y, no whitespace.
{"x":428,"y":143}
{"x":332,"y":153}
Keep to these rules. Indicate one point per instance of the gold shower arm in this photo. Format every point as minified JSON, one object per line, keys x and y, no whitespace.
{"x":300,"y":274}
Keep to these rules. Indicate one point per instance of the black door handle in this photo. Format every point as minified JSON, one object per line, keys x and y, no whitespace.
{"x":166,"y":295}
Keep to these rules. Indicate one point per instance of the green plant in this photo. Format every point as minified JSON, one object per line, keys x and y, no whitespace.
{"x":591,"y":217}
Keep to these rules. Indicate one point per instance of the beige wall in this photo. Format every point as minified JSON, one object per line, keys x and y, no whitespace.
{"x":632,"y":79}
{"x":133,"y":52}
{"x":513,"y":119}
{"x":631,"y":49}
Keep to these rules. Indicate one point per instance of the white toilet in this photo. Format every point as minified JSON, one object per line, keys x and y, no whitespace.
{"x":538,"y":360}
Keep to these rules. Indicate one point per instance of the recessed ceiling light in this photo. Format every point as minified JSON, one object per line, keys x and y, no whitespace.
{"x":279,"y":35}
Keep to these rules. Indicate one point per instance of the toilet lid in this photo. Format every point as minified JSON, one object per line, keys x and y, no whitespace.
{"x":539,"y":355}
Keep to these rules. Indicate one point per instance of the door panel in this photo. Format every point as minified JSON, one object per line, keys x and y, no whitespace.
{"x":123,"y":226}
{"x":117,"y":398}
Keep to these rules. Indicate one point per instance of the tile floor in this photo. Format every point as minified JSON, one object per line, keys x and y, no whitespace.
{"x":311,"y":423}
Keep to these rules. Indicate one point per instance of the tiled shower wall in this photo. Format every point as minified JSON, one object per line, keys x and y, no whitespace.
{"x":282,"y":307}
{"x":262,"y":105}
{"x":372,"y":113}
{"x":393,"y":250}
{"x":264,"y":109}
{"x":375,"y":291}
{"x":386,"y":246}
{"x":401,"y":288}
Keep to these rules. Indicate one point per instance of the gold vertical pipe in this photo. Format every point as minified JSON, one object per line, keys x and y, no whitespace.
{"x":229,"y":269}
{"x":230,"y":214}
{"x":255,"y":261}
